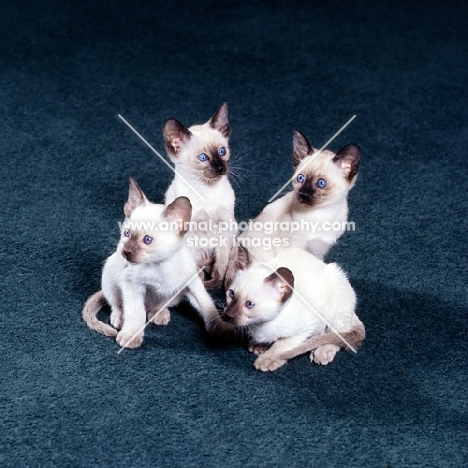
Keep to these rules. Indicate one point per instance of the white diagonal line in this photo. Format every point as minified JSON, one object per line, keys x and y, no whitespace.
{"x":160,"y":157}
{"x":162,"y":308}
{"x":310,"y":307}
{"x":315,"y":154}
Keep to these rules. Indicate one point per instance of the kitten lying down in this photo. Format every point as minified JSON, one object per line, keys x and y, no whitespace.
{"x":274,"y":302}
{"x":151,"y":265}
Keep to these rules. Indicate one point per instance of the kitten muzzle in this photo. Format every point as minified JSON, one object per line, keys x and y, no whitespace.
{"x":219,"y":166}
{"x":306,"y":193}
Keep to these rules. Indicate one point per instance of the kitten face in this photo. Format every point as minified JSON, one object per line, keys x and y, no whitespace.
{"x":152,"y":233}
{"x":201,"y":149}
{"x":257,"y":294}
{"x":324,"y":178}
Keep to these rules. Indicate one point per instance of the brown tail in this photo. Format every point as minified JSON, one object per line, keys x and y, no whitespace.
{"x":231,"y":268}
{"x":354,"y":337}
{"x":93,"y":305}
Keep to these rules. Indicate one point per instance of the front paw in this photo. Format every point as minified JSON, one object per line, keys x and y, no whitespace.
{"x":128,"y":340}
{"x":116,"y":318}
{"x":266,"y":363}
{"x":259,"y":348}
{"x":324,"y":354}
{"x":218,"y":328}
{"x":159,"y":317}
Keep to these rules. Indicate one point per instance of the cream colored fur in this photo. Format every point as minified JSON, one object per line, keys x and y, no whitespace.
{"x":324,"y":207}
{"x":288,"y":317}
{"x":184,"y":146}
{"x":141,"y":276}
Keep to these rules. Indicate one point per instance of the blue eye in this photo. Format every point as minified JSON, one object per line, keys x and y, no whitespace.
{"x":300,"y":178}
{"x":222,"y":151}
{"x":231,"y":293}
{"x":127,"y":233}
{"x":147,"y":240}
{"x":321,"y":183}
{"x":203,"y":157}
{"x":249,"y":304}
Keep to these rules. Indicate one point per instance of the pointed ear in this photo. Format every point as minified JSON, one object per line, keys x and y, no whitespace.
{"x":301,"y":148}
{"x":348,"y":159}
{"x":180,"y":211}
{"x":175,"y":135}
{"x":243,"y":258}
{"x":136,"y":197}
{"x":220,"y":122}
{"x":283,"y":281}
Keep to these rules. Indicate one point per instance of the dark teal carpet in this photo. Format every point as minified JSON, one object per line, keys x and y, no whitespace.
{"x":68,"y":68}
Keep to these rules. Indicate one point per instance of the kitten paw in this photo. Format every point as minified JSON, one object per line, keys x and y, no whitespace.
{"x":116,"y":319}
{"x":129,"y":340}
{"x":218,"y":328}
{"x":324,"y":354}
{"x":162,"y":318}
{"x":266,"y":363}
{"x":259,"y":348}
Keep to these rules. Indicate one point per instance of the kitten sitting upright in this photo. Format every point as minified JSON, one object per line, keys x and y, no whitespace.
{"x":200,"y":154}
{"x":314,"y":213}
{"x":151,"y":266}
{"x":296,"y":303}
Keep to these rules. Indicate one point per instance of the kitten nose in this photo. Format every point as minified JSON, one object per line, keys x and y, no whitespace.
{"x":229,"y":313}
{"x":126,"y":253}
{"x":221,"y":168}
{"x":304,"y":196}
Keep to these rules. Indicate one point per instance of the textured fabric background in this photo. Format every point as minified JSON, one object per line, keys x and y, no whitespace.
{"x":68,"y":68}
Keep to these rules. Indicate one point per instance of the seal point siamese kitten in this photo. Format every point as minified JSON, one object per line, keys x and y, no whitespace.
{"x":272,"y":302}
{"x":321,"y":184}
{"x":200,"y":155}
{"x":150,"y":266}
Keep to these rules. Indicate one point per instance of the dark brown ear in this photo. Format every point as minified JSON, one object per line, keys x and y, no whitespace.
{"x":175,"y":135}
{"x":283,"y":281}
{"x":243,"y":258}
{"x":220,"y":121}
{"x":136,"y":197}
{"x":348,"y":159}
{"x":179,"y":211}
{"x":301,"y":148}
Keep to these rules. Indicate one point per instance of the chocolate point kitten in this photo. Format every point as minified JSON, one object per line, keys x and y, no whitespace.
{"x":151,"y":270}
{"x":288,"y":303}
{"x":200,"y":154}
{"x":318,"y":201}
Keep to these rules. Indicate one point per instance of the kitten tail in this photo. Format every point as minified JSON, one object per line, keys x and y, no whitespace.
{"x":93,"y":305}
{"x":354,"y":337}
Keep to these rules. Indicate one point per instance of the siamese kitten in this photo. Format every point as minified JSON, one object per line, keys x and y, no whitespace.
{"x":200,"y":155}
{"x":317,"y":202}
{"x":151,"y":265}
{"x":290,"y":302}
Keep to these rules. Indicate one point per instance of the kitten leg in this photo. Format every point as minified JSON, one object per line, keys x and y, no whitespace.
{"x":158,"y":316}
{"x":115,"y":303}
{"x":271,"y":359}
{"x":259,"y":348}
{"x":116,"y":317}
{"x":324,"y":354}
{"x":134,"y":316}
{"x":201,"y":300}
{"x":220,"y":268}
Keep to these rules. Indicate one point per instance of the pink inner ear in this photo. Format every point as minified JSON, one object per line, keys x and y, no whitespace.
{"x":346,"y":166}
{"x":176,"y":143}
